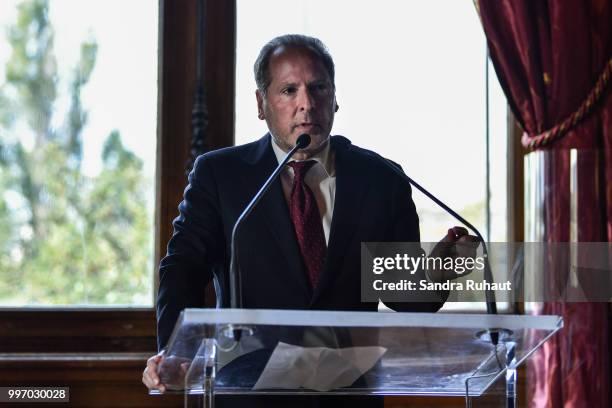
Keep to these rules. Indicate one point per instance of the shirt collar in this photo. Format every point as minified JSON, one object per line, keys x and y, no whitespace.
{"x":323,"y":157}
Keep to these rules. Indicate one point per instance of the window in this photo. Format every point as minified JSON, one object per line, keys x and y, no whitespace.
{"x":78,"y":103}
{"x":411,"y":85}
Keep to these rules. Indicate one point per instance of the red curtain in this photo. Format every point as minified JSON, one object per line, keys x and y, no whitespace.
{"x":551,"y":58}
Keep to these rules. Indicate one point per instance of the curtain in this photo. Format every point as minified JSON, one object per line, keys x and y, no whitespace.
{"x":553,"y":60}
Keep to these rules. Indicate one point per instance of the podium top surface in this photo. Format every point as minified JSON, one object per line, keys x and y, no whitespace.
{"x":367,"y":319}
{"x":364,"y":353}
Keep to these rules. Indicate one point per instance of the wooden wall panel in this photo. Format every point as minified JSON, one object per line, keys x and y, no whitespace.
{"x":177,"y":85}
{"x":52,"y":331}
{"x":95,"y":380}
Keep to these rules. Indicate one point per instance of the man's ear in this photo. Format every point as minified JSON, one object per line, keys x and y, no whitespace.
{"x":336,"y":106}
{"x":260,"y":103}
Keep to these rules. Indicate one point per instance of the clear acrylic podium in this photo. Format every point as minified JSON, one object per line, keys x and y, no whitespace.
{"x":255,"y":352}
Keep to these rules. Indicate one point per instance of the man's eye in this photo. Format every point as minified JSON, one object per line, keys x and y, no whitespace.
{"x":288,"y":91}
{"x":320,"y":88}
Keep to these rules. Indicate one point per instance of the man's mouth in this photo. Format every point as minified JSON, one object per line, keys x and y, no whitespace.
{"x":307,"y":125}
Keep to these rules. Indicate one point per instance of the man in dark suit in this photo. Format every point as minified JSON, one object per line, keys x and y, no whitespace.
{"x":300,"y":249}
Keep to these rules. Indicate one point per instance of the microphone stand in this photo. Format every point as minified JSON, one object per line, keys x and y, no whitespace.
{"x":488,"y":275}
{"x":235,"y":275}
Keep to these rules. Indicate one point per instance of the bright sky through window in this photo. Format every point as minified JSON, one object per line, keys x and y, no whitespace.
{"x":78,"y":117}
{"x":410,"y":85}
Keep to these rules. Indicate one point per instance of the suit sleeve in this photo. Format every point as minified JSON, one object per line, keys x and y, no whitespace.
{"x":406,"y":229}
{"x":197,"y":244}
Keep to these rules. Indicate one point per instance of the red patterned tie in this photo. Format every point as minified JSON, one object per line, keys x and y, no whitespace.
{"x":307,"y":222}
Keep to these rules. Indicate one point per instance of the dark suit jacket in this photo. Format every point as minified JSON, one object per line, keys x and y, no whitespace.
{"x":371,"y":204}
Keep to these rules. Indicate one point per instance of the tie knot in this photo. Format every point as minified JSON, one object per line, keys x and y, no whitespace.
{"x":300,"y":168}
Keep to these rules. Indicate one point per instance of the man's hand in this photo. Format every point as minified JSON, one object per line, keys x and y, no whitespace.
{"x":172,"y":369}
{"x":149,"y":375}
{"x":456,"y":244}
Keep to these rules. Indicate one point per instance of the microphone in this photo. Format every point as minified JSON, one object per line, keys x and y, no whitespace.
{"x":235,"y":278}
{"x":488,"y":275}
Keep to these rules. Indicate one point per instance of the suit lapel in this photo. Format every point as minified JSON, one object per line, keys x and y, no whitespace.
{"x":351,"y":187}
{"x":274,"y":211}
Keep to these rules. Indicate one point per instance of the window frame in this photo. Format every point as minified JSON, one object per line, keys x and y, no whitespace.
{"x":110,"y":331}
{"x":128,"y":329}
{"x":133,"y":329}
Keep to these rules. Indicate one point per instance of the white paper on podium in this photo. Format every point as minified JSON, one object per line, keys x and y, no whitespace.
{"x":316,"y":368}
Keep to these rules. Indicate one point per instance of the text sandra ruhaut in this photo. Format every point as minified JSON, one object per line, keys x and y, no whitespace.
{"x":469,"y":284}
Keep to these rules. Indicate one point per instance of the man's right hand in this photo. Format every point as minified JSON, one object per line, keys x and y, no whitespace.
{"x":149,"y":375}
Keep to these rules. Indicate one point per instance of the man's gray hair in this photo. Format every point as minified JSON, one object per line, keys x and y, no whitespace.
{"x":262,"y":64}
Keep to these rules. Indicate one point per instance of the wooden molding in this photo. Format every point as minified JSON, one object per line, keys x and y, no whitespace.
{"x":47,"y":331}
{"x":95,"y":380}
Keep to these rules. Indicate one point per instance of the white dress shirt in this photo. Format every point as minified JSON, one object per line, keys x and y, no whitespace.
{"x":321,"y":179}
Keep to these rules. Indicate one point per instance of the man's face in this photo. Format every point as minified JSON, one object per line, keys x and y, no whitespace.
{"x":300,"y":99}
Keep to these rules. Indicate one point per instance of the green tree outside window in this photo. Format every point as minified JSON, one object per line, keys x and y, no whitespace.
{"x":65,"y":237}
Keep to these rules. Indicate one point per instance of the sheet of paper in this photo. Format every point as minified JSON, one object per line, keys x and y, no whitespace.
{"x":316,"y":368}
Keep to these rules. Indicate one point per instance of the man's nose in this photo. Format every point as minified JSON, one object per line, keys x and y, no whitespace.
{"x":305,"y":100}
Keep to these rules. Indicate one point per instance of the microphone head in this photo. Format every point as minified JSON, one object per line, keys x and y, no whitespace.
{"x":303,"y":141}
